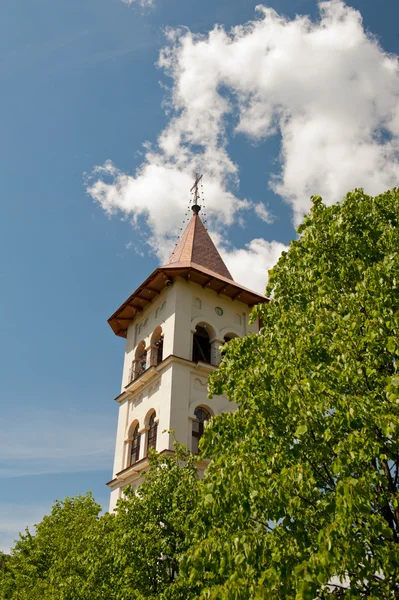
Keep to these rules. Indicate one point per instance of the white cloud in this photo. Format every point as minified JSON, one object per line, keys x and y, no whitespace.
{"x":326,"y":87}
{"x":263,"y":213}
{"x":251,"y":264}
{"x":55,"y":442}
{"x":156,"y":192}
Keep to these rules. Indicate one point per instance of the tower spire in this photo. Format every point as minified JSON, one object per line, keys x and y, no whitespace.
{"x":196,"y":207}
{"x":195,"y":247}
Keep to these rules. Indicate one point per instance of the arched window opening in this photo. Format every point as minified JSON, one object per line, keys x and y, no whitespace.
{"x":201,"y":345}
{"x":159,"y":349}
{"x":229,"y":336}
{"x":135,"y":446}
{"x":140,"y":361}
{"x":202,"y":415}
{"x":152,"y":432}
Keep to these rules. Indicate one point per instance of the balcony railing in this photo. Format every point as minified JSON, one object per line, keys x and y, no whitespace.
{"x":138,"y":367}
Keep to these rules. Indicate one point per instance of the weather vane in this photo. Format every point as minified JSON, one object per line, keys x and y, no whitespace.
{"x":196,"y":207}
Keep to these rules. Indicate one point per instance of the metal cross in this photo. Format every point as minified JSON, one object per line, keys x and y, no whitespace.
{"x":194,"y":189}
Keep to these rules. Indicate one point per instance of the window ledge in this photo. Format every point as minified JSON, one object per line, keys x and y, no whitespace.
{"x":137,"y":467}
{"x":151,"y":372}
{"x":133,"y":472}
{"x":205,"y":366}
{"x":142,"y":379}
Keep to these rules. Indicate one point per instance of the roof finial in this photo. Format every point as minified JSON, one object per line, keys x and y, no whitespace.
{"x":196,"y":207}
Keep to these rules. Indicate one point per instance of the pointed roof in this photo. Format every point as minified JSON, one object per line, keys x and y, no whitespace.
{"x":196,"y":247}
{"x":195,"y":259}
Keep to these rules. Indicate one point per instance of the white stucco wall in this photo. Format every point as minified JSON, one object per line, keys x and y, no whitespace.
{"x":177,"y":386}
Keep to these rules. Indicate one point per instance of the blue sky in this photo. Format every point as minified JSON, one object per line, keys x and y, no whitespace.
{"x":88,"y":211}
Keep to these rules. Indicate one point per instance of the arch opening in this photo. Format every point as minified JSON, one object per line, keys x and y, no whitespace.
{"x":152,"y":432}
{"x":201,"y":344}
{"x":140,"y":361}
{"x":202,"y":415}
{"x":229,"y":336}
{"x":135,"y":446}
{"x":157,"y":346}
{"x":159,"y":349}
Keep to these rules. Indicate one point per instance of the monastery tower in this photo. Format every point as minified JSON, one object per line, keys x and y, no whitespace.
{"x":174,"y":325}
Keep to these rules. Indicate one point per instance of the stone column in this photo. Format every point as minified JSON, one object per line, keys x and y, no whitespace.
{"x":152,"y":351}
{"x":215,"y":352}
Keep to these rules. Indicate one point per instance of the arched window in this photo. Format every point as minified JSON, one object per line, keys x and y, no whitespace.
{"x":201,"y":416}
{"x":140,"y":360}
{"x":152,"y":432}
{"x":159,"y":349}
{"x":201,"y":345}
{"x":229,"y":336}
{"x":135,"y":446}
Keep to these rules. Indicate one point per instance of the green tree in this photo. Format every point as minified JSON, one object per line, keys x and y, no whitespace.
{"x":301,"y":496}
{"x":48,"y":564}
{"x":131,"y":554}
{"x":151,"y":530}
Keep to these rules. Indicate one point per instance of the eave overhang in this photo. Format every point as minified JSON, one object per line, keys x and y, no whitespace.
{"x":160,"y":278}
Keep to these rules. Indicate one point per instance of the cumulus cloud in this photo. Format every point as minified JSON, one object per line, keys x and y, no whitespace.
{"x":325,"y":87}
{"x":252,"y":263}
{"x":157,"y":192}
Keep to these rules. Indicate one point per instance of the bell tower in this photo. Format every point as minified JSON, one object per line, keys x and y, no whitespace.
{"x":174,"y":325}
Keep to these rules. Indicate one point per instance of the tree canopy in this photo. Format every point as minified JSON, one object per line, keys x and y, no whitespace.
{"x":50,"y":562}
{"x":76,"y":554}
{"x":300,"y":498}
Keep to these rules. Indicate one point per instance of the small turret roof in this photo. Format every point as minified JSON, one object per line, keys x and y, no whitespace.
{"x":196,"y":247}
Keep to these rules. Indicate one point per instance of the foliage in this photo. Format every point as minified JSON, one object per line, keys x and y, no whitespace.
{"x":132,"y":554}
{"x":50,"y":561}
{"x":301,"y":496}
{"x":300,"y":500}
{"x":150,"y":530}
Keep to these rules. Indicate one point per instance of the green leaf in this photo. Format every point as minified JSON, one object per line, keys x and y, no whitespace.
{"x":301,"y":429}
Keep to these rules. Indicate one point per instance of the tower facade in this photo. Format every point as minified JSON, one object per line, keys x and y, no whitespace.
{"x":174,"y":325}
